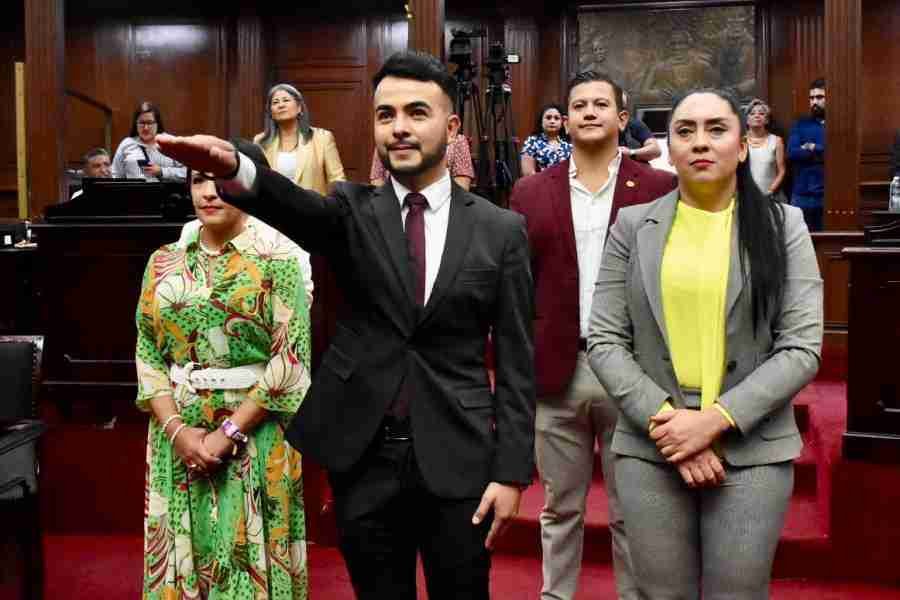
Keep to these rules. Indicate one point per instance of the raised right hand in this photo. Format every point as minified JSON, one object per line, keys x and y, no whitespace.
{"x":189,"y":447}
{"x":205,"y":153}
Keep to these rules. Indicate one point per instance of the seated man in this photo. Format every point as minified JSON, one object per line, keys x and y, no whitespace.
{"x":95,"y":163}
{"x":636,"y":141}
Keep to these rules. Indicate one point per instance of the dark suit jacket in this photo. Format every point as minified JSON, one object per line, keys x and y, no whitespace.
{"x":545,"y":201}
{"x":464,"y":435}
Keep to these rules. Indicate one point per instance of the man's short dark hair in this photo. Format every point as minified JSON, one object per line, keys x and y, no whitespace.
{"x":421,"y":66}
{"x":818,"y":84}
{"x":590,"y":76}
{"x":94,"y":153}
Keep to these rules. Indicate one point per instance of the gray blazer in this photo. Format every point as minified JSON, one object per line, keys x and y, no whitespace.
{"x":629,"y":352}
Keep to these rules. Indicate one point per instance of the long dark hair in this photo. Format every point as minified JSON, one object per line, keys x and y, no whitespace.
{"x":539,"y":121}
{"x":303,"y":118}
{"x":146,"y":107}
{"x":761,"y":238}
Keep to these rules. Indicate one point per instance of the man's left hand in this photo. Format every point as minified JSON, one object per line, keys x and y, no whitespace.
{"x":204,"y":153}
{"x":682,"y":433}
{"x":504,"y":501}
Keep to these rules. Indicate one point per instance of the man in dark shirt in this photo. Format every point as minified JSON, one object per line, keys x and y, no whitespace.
{"x":636,"y":141}
{"x":806,"y":150}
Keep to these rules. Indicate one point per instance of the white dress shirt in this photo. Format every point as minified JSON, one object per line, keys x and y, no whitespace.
{"x":131,"y":150}
{"x":590,"y":217}
{"x":437,"y":218}
{"x":437,"y":215}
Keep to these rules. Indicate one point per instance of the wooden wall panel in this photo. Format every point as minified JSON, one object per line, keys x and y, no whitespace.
{"x":842,"y":56}
{"x":523,"y":38}
{"x":835,"y":270}
{"x":179,"y":64}
{"x":12,"y":49}
{"x":879,"y":100}
{"x":247,"y":61}
{"x":797,"y":47}
{"x":319,"y":43}
{"x":44,"y":77}
{"x":426,"y":31}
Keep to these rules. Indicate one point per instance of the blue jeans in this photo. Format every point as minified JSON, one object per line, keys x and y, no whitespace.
{"x":812,"y":208}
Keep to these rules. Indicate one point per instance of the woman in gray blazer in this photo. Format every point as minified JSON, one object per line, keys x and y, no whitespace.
{"x":706,"y":321}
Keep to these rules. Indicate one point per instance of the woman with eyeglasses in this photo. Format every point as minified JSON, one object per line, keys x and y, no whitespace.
{"x":138,"y":156}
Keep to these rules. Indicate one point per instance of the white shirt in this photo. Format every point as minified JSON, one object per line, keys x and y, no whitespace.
{"x":437,"y":218}
{"x":590,"y":217}
{"x":131,"y":150}
{"x":286,"y":164}
{"x":437,"y":215}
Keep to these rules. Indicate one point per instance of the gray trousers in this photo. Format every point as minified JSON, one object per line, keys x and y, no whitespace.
{"x":566,"y":428}
{"x":720,"y":540}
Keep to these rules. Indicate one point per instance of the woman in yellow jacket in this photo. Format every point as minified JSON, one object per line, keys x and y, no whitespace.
{"x":304,"y":154}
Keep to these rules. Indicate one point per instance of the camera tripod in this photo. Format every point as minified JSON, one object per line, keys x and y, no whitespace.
{"x":498,"y":160}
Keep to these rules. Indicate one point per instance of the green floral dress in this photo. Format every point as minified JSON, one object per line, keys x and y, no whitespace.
{"x":238,"y":533}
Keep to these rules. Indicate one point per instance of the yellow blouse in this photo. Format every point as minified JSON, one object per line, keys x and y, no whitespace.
{"x":694,"y":281}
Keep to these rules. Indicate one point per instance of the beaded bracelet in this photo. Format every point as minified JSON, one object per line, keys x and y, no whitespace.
{"x":177,"y":431}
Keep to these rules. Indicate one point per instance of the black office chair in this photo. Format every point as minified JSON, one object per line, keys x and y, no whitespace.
{"x":20,"y":369}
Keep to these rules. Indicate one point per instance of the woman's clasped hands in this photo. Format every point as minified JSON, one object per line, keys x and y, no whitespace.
{"x":685,"y":438}
{"x":202,"y":451}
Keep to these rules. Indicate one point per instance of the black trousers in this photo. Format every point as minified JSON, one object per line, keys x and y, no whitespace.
{"x":386,"y":516}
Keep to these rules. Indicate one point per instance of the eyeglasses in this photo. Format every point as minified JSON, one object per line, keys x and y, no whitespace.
{"x":146,"y":123}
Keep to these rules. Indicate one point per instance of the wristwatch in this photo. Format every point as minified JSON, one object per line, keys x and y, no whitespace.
{"x":232,"y":432}
{"x":631,"y":153}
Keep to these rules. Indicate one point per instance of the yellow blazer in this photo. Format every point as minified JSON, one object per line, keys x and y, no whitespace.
{"x":318,"y":163}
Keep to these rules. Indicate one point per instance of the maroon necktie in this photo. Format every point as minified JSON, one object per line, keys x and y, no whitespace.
{"x":415,"y":241}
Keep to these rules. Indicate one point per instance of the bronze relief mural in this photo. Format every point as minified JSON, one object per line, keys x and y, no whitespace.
{"x":657,"y":54}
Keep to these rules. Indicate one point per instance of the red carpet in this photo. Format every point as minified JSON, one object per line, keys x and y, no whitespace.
{"x":841,"y":538}
{"x":109,"y":567}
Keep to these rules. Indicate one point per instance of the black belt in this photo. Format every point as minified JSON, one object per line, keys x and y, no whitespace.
{"x":582,"y":344}
{"x":396,"y":430}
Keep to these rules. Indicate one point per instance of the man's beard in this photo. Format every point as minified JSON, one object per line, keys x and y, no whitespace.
{"x":429,"y":160}
{"x":818,"y":112}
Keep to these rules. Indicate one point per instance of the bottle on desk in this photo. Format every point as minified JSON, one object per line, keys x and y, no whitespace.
{"x":894,"y":199}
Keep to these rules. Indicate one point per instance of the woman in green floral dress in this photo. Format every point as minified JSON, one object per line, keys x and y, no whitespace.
{"x":223,"y":515}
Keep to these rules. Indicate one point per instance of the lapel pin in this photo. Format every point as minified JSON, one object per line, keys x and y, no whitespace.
{"x":630,"y":183}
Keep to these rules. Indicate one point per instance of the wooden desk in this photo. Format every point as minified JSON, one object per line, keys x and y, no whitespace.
{"x":873,"y":378}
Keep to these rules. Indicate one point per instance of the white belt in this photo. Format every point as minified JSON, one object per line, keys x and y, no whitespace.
{"x":237,"y":378}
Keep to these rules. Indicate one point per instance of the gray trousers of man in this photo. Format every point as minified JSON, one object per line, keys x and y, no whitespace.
{"x":566,"y":428}
{"x":719,"y":541}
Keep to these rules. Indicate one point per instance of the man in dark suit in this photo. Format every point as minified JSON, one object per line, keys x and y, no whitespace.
{"x":569,"y":209}
{"x":422,"y":455}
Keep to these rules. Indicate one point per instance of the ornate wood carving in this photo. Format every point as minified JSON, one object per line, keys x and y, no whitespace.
{"x":45,"y":104}
{"x":843,"y":55}
{"x":657,"y":54}
{"x":426,"y":28}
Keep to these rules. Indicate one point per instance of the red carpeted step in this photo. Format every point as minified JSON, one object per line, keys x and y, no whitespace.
{"x":92,"y":567}
{"x":805,"y":527}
